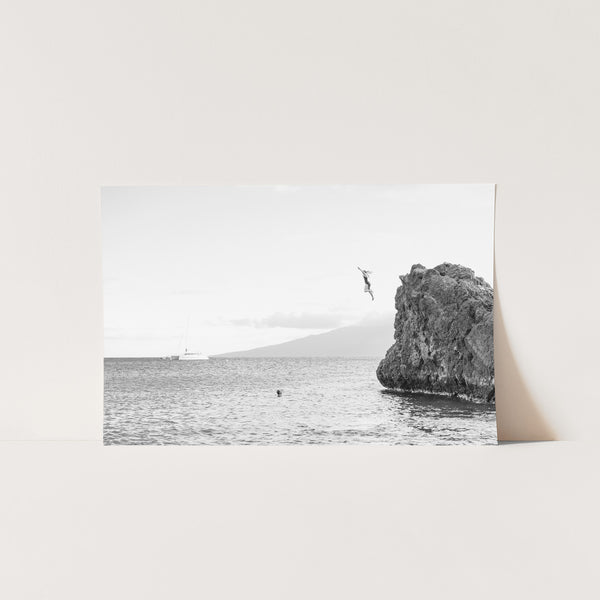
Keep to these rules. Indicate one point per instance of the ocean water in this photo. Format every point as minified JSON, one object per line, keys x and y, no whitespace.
{"x":234,"y":401}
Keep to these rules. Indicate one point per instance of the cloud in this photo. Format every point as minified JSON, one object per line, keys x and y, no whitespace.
{"x":295,"y":321}
{"x":125,"y":333}
{"x":192,"y":292}
{"x":273,"y":187}
{"x":287,"y":188}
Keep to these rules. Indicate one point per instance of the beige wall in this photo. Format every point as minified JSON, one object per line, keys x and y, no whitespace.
{"x":267,"y":92}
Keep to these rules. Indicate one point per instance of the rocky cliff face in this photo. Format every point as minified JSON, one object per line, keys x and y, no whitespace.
{"x":444,"y":334}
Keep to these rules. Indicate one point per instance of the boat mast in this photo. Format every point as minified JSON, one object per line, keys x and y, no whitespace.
{"x":187,"y":330}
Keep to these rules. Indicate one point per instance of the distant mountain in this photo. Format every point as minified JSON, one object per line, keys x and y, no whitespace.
{"x":371,"y":337}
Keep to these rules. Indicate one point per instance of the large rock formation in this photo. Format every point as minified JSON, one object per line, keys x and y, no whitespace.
{"x":444,"y":334}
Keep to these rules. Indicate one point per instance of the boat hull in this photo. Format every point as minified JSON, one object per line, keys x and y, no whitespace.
{"x":192,"y":357}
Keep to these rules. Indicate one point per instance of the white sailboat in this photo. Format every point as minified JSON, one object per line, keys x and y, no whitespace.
{"x":187,"y":355}
{"x":192,"y":356}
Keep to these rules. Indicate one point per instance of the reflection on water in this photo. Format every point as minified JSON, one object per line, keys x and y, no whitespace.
{"x":444,"y":420}
{"x":234,"y":401}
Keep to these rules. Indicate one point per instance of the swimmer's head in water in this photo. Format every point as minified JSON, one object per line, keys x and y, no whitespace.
{"x":279,"y":393}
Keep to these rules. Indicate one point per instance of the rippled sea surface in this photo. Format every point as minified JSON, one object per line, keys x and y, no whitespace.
{"x":234,"y":401}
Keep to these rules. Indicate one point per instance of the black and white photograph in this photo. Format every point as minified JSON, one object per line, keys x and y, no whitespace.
{"x":276,"y":315}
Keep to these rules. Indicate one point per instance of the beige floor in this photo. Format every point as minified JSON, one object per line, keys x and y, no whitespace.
{"x":82,"y":521}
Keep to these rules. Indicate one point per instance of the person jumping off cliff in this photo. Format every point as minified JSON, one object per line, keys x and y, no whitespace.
{"x":365,"y":275}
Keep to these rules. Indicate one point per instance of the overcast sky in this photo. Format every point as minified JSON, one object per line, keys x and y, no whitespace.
{"x":250,"y":266}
